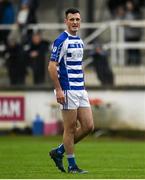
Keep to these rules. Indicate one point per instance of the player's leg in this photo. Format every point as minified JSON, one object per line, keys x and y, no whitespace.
{"x":70,"y":122}
{"x":71,"y":132}
{"x":85,"y":119}
{"x":70,"y":126}
{"x":70,"y":119}
{"x":84,"y":116}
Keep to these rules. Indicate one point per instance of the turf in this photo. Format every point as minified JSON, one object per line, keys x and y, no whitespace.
{"x":27,"y":157}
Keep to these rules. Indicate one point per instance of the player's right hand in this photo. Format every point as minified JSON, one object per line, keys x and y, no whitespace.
{"x":60,"y":96}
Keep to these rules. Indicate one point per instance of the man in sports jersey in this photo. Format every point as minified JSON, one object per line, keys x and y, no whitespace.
{"x":65,"y":68}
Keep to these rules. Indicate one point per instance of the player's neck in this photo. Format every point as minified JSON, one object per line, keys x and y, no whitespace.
{"x":73,"y":33}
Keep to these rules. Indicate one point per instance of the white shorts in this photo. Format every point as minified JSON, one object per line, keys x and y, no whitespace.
{"x":75,"y":99}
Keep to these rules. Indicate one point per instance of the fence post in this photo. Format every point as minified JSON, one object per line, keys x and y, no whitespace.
{"x":121,"y":53}
{"x":113,"y":35}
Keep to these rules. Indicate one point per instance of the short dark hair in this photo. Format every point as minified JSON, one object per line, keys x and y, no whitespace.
{"x":72,"y":11}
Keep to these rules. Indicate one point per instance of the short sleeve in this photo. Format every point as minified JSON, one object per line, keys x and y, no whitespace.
{"x":56,"y":49}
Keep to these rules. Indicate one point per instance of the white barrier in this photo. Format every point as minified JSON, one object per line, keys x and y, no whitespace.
{"x":118,"y":110}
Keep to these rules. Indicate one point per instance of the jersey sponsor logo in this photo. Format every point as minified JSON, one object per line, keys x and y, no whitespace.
{"x":77,"y":54}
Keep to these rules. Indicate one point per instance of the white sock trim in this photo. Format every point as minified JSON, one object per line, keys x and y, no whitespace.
{"x":70,"y":155}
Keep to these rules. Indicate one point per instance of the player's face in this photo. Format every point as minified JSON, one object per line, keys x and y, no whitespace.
{"x":73,"y":23}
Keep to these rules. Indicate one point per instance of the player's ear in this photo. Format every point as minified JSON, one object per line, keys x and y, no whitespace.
{"x":65,"y":20}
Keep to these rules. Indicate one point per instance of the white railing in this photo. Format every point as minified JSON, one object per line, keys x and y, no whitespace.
{"x":116,"y":45}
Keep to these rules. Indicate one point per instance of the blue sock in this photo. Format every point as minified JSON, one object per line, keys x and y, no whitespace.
{"x":60,"y":149}
{"x":71,"y":160}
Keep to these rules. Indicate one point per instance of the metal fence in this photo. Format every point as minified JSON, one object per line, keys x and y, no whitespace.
{"x":111,"y":35}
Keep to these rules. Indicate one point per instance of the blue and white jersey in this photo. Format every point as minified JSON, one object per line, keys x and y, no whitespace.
{"x":67,"y":50}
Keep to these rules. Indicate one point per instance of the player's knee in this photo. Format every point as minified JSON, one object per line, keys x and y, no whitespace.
{"x":71,"y":129}
{"x":90,"y":127}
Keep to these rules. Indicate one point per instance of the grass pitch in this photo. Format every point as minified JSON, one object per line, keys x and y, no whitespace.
{"x":27,"y":157}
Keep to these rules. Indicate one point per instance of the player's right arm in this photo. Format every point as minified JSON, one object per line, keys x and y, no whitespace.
{"x":52,"y":69}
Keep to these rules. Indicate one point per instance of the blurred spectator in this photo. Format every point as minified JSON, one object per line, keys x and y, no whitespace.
{"x":128,"y":10}
{"x":132,"y":34}
{"x":23,"y":15}
{"x":33,"y":6}
{"x":37,"y":52}
{"x":15,"y":62}
{"x":28,"y":11}
{"x":139,"y":3}
{"x":7,"y":17}
{"x":27,"y":15}
{"x":114,"y":4}
{"x":119,"y":13}
{"x":102,"y":67}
